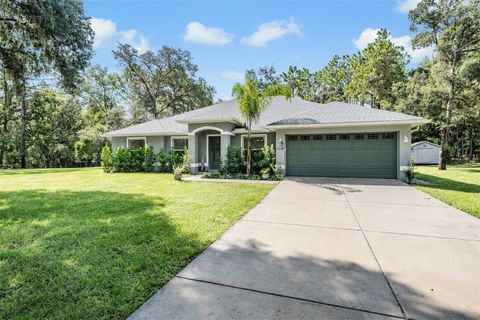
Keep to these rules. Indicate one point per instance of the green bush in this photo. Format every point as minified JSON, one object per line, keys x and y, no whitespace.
{"x":163,"y":162}
{"x":137,"y":157}
{"x":148,"y":159}
{"x":122,"y":160}
{"x":107,"y":159}
{"x":268,"y":163}
{"x":233,"y":162}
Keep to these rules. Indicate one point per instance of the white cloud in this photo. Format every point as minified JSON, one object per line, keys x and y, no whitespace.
{"x":369,"y":35}
{"x":129,"y":35}
{"x":106,"y":33}
{"x":197,"y":32}
{"x":232,"y":75}
{"x":406,"y":5}
{"x":104,"y":30}
{"x":271,"y":31}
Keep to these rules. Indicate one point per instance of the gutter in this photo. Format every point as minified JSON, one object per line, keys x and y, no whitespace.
{"x":348,"y":124}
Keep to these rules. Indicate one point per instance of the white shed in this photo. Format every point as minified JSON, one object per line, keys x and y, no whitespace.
{"x":425,"y":152}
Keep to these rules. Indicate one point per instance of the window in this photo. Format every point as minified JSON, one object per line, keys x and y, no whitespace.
{"x":358,"y":136}
{"x":257,"y":141}
{"x":388,"y":135}
{"x":318,"y":137}
{"x":292,"y":138}
{"x":133,"y":143}
{"x":304,"y":138}
{"x":373,"y":136}
{"x":331,"y":137}
{"x":344,"y":137}
{"x":179,"y":143}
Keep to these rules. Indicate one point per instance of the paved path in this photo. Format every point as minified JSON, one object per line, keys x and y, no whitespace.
{"x":319,"y":248}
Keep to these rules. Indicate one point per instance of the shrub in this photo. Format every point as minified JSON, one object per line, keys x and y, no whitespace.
{"x":163,"y":161}
{"x":184,"y":163}
{"x":410,"y":172}
{"x":175,"y":157}
{"x":122,"y":160}
{"x":148,"y":159}
{"x":137,"y":158}
{"x":233,"y":162}
{"x":268,"y":163}
{"x":107,"y":159}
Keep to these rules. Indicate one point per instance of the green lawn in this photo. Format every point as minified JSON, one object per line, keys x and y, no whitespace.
{"x":458,"y":186}
{"x":78,"y":243}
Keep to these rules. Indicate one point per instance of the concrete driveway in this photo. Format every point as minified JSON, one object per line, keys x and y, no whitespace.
{"x":319,"y":248}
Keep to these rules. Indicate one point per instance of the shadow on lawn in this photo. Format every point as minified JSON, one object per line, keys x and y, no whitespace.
{"x":447,"y":184}
{"x":8,"y":172}
{"x":85,"y":254}
{"x":342,"y":283}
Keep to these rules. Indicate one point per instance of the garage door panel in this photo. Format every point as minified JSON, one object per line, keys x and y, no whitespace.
{"x":374,"y":158}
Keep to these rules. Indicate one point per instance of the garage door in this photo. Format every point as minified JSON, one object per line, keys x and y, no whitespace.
{"x":364,"y":155}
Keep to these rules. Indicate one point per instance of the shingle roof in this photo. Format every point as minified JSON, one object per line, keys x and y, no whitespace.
{"x":280,"y":112}
{"x":340,"y":112}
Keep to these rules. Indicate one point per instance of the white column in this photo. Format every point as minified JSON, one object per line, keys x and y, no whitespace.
{"x":225,"y":139}
{"x":193,"y":148}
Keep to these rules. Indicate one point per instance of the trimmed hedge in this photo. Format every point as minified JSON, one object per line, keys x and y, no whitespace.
{"x":139,"y":160}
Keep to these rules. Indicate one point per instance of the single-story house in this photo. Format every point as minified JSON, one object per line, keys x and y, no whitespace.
{"x":424,"y":152}
{"x":335,"y":139}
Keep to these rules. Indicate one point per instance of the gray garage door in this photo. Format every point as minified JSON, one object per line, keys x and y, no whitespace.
{"x":364,"y":155}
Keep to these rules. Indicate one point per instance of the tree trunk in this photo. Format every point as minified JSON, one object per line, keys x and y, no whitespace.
{"x":249,"y":148}
{"x":23,"y":148}
{"x":442,"y":163}
{"x":7,"y":102}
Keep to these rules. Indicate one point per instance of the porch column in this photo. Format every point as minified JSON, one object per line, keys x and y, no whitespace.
{"x":193,"y":149}
{"x":225,"y":138}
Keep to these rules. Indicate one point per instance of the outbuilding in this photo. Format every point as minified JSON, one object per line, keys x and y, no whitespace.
{"x":424,"y":152}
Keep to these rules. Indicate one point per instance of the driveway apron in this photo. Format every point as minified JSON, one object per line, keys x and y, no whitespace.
{"x":327,"y":248}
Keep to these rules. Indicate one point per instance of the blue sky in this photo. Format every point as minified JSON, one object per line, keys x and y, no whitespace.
{"x":228,"y":37}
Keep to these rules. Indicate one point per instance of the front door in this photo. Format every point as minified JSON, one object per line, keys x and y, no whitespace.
{"x":213,"y":152}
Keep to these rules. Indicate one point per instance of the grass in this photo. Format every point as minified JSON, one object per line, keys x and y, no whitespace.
{"x":458,"y":186}
{"x":78,"y":243}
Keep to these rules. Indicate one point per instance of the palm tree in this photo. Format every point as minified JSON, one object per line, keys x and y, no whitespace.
{"x":252,"y":101}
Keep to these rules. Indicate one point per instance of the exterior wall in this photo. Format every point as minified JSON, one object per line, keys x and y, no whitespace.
{"x":118,"y":142}
{"x":156,"y":142}
{"x":403,"y":142}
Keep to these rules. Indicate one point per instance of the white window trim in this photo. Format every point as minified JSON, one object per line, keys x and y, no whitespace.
{"x":210,"y":135}
{"x":136,"y":138}
{"x":263,"y":135}
{"x":177,"y":138}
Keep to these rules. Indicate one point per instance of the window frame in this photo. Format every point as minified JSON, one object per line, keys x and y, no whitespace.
{"x":254,"y":135}
{"x":137,"y":138}
{"x":173,"y":138}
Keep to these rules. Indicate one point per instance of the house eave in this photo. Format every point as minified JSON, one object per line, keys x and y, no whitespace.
{"x":348,"y":124}
{"x":143,"y":134}
{"x":210,"y":120}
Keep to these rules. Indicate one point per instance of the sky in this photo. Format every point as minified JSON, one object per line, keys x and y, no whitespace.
{"x":227,"y":37}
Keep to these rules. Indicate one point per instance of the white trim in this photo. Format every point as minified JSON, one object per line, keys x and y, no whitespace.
{"x":211,"y":135}
{"x":137,"y":138}
{"x":209,"y":128}
{"x":144,"y":134}
{"x":211,"y":120}
{"x":349,"y":124}
{"x":177,"y":137}
{"x":263,"y":135}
